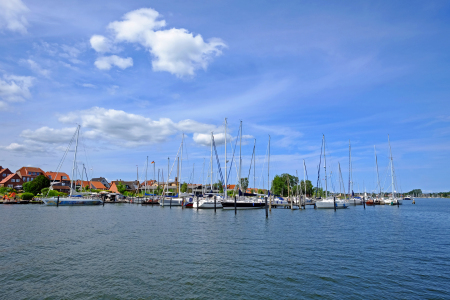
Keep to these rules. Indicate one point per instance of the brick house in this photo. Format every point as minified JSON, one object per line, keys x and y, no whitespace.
{"x":12,"y":181}
{"x":29,"y":173}
{"x":58,"y":177}
{"x":4,"y":172}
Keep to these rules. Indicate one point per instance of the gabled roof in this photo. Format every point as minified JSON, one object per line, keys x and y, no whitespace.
{"x":25,"y":170}
{"x":55,"y":177}
{"x":4,"y":170}
{"x":10,"y":176}
{"x":98,"y":185}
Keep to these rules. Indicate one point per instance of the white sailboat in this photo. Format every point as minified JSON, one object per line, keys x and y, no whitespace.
{"x":392,"y":200}
{"x":329,"y":202}
{"x":74,"y":197}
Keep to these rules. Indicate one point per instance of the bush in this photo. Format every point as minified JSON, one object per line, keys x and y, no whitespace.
{"x":27,"y":196}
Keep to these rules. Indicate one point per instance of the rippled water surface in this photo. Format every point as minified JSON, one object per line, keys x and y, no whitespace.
{"x":128,"y":251}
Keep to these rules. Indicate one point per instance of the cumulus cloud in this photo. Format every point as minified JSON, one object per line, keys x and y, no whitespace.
{"x":100,"y":43}
{"x":15,"y":88}
{"x":12,"y":15}
{"x":130,"y":129}
{"x":205,"y":138}
{"x":174,"y":50}
{"x":49,"y":135}
{"x":115,"y":127}
{"x":107,"y":62}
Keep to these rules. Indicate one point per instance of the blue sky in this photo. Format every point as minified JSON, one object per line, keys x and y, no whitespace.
{"x":137,"y":74}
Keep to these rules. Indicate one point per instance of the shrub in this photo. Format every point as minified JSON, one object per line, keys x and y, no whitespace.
{"x":27,"y":196}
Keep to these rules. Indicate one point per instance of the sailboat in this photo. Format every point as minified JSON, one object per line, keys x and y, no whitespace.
{"x":392,"y":200}
{"x":74,"y":197}
{"x":329,"y":202}
{"x":352,"y":199}
{"x":243,"y":202}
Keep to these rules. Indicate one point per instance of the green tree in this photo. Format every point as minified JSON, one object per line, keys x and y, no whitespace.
{"x":282,"y":182}
{"x":121,"y":188}
{"x":260,"y":191}
{"x":309,"y":188}
{"x":184,"y":187}
{"x":244,"y":184}
{"x":36,"y":185}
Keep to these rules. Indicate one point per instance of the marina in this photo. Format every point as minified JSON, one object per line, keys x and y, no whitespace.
{"x":222,"y":255}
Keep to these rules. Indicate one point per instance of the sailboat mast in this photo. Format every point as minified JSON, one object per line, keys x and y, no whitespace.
{"x":146,"y":169}
{"x":349,"y":168}
{"x":203,"y":179}
{"x":226,"y":168}
{"x":254,"y":165}
{"x":212,"y":136}
{"x":74,"y":161}
{"x":325,"y":166}
{"x":181,"y":166}
{"x":392,"y":170}
{"x":240,"y":157}
{"x":304,"y":176}
{"x":376,"y":163}
{"x":268,"y":170}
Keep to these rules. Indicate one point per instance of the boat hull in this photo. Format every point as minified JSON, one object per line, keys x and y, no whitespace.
{"x":71,"y":202}
{"x":242,"y":205}
{"x":171,"y":202}
{"x":331,"y":204}
{"x":208,"y":204}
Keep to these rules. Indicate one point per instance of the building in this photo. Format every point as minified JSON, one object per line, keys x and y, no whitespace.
{"x":29,"y":173}
{"x":58,"y":177}
{"x":13,"y":180}
{"x":4,"y":172}
{"x":130,"y":186}
{"x":94,"y":185}
{"x":103,"y":181}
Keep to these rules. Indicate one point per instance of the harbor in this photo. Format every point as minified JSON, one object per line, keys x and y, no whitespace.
{"x":141,"y":252}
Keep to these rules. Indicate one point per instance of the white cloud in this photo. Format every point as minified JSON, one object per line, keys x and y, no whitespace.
{"x":35,"y":67}
{"x":100,"y":43}
{"x":49,"y":135}
{"x":205,"y":138}
{"x":174,"y":50}
{"x":128,"y":129}
{"x":107,"y":62}
{"x":12,"y":15}
{"x":15,"y":147}
{"x":15,"y":88}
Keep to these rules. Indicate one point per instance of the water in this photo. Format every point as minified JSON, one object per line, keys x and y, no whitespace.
{"x":126,"y":251}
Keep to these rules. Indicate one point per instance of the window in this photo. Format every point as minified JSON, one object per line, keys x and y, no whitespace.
{"x":4,"y":175}
{"x":64,"y":177}
{"x":50,"y":176}
{"x":10,"y":185}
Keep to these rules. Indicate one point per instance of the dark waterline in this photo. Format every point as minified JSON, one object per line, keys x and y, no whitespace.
{"x":127,"y":251}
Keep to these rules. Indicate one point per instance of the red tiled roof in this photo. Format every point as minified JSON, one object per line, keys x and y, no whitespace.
{"x":54,"y":177}
{"x":10,"y":176}
{"x":98,"y":185}
{"x":25,"y":170}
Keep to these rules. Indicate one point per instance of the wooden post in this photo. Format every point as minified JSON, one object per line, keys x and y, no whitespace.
{"x":170,"y":202}
{"x":197,"y":202}
{"x":334,"y":202}
{"x":267,"y":212}
{"x":57,"y":202}
{"x":235,"y":208}
{"x":214,"y":203}
{"x":364,"y":201}
{"x":270,"y":203}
